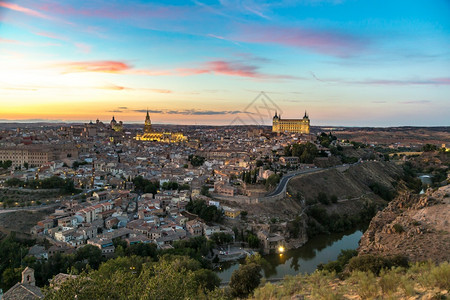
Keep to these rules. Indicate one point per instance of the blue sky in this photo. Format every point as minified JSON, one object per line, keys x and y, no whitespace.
{"x":354,"y":63}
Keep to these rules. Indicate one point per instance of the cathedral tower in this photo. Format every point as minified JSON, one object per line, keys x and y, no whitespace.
{"x":147,"y":124}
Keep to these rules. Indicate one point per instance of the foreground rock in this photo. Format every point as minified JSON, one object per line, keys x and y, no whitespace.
{"x":413,"y":226}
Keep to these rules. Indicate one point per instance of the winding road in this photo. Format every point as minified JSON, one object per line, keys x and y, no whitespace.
{"x":281,"y":188}
{"x":285,"y":179}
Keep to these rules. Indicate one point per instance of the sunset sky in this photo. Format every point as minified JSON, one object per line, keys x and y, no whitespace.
{"x":351,"y":63}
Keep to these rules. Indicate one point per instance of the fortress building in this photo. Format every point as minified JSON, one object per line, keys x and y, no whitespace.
{"x":150,"y":135}
{"x":291,"y":125}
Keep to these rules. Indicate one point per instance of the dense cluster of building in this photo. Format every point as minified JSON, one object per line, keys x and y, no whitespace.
{"x":104,"y":159}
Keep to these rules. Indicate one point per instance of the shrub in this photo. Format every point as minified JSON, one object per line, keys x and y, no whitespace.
{"x":323,"y":198}
{"x":366,"y":284}
{"x":439,"y":276}
{"x":382,"y":191}
{"x":375,"y":263}
{"x":245,"y":279}
{"x":311,"y":201}
{"x":338,"y":265}
{"x":334,"y":199}
{"x":388,"y":282}
{"x":398,"y":228}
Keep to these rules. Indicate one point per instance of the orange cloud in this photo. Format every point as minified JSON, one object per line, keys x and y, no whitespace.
{"x":114,"y":87}
{"x":106,"y":66}
{"x":121,"y":88}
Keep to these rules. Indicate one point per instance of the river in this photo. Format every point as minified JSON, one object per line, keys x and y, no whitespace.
{"x":305,"y":259}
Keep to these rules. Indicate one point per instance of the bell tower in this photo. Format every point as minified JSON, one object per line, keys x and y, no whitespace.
{"x":28,"y":276}
{"x":147,"y":124}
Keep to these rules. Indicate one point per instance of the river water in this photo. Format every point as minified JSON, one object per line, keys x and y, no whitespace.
{"x":305,"y":259}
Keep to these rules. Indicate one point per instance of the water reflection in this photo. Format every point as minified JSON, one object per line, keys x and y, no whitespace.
{"x":305,"y":259}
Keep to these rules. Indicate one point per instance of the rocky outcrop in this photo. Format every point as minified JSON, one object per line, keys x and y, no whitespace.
{"x":412,"y":225}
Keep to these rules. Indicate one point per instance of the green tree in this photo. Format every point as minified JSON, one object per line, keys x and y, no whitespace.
{"x":429,"y":147}
{"x":252,"y":240}
{"x":196,"y":160}
{"x":205,"y":191}
{"x":272,"y":180}
{"x":206,"y":279}
{"x":245,"y":280}
{"x":221,"y":238}
{"x":90,"y":253}
{"x":5,"y":164}
{"x":10,"y":277}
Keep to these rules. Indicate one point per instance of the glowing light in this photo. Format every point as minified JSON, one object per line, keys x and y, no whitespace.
{"x":281,"y":249}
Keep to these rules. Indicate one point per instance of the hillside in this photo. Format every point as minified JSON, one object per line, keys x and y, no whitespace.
{"x":21,"y":221}
{"x":412,"y":225}
{"x":419,"y":281}
{"x":351,"y":185}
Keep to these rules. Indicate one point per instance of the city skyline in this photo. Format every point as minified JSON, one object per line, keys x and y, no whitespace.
{"x":348,"y":63}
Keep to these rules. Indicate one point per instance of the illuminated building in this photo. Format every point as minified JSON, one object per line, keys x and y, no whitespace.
{"x":150,"y":135}
{"x":291,"y":125}
{"x":116,"y":126}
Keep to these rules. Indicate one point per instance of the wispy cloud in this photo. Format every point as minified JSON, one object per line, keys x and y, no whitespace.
{"x":152,"y":111}
{"x":219,"y":37}
{"x":115,"y":11}
{"x":191,"y":112}
{"x":329,"y":42}
{"x":28,"y":44}
{"x":106,"y":66}
{"x":82,"y":47}
{"x":114,"y":87}
{"x":415,"y":102}
{"x":237,"y":68}
{"x":9,"y":41}
{"x":429,"y":81}
{"x":232,"y":68}
{"x":25,"y":10}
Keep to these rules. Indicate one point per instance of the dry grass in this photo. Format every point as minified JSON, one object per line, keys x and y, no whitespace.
{"x":420,"y":281}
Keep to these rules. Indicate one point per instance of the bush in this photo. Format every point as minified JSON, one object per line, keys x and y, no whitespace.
{"x":245,"y":279}
{"x":334,"y":199}
{"x":323,"y":198}
{"x":338,"y":265}
{"x":398,"y":228}
{"x":376,"y":263}
{"x":388,"y":281}
{"x":366,"y":284}
{"x":382,"y":191}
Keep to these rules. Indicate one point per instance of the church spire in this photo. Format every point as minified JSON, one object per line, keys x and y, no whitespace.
{"x":147,"y":124}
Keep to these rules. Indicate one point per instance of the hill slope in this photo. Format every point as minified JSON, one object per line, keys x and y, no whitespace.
{"x":412,"y":225}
